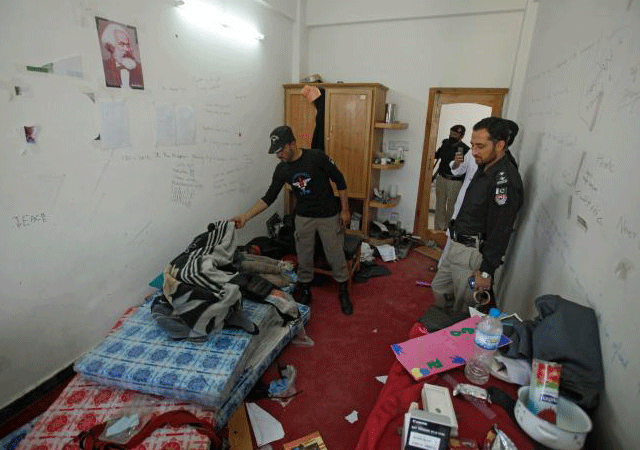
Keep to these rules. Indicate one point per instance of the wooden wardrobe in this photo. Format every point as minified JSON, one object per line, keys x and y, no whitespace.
{"x":354,"y":114}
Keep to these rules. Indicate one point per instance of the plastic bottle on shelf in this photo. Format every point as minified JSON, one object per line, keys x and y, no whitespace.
{"x":487,"y":337}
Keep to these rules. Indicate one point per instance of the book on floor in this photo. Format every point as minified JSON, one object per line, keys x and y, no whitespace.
{"x":311,"y":441}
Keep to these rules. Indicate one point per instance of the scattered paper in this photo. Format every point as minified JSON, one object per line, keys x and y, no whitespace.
{"x":503,"y":315}
{"x":71,"y":66}
{"x":382,"y":378}
{"x":387,"y":252}
{"x":266,"y":428}
{"x":353,"y":417}
{"x":24,"y":91}
{"x":474,"y":312}
{"x":511,"y":370}
{"x":185,"y":125}
{"x":115,"y":124}
{"x":165,"y":126}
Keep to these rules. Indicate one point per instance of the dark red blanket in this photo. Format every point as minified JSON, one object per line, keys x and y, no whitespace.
{"x":386,"y":418}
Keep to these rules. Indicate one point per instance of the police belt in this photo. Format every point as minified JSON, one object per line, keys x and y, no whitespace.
{"x":451,"y":177}
{"x":468,"y":240}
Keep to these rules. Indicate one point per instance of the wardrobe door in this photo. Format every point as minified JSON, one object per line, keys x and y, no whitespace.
{"x":348,"y":133}
{"x":300,"y":115}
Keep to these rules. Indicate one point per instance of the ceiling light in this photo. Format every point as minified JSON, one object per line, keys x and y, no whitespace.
{"x":211,"y":18}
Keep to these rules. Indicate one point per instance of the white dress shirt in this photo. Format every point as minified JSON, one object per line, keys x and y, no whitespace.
{"x":467,"y":168}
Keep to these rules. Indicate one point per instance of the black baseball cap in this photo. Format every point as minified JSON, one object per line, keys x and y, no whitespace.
{"x":280,"y":137}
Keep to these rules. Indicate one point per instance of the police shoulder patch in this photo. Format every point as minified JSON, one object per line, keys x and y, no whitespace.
{"x":501,"y":178}
{"x":500,"y":196}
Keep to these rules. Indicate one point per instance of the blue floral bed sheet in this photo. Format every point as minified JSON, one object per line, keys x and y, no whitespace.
{"x":217,"y":373}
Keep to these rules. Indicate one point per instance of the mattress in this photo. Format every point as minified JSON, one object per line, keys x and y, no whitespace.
{"x":84,"y":404}
{"x":217,"y":373}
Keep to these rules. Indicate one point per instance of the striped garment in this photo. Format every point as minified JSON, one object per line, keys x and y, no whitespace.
{"x":199,"y":296}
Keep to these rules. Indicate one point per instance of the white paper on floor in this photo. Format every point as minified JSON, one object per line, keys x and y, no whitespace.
{"x":352,"y":417}
{"x":266,"y":428}
{"x":387,"y":252}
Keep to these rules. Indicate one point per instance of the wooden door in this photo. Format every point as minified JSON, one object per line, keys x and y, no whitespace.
{"x":300,"y":115}
{"x":348,"y":125}
{"x":494,"y":98}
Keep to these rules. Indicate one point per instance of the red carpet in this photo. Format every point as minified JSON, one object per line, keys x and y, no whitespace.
{"x":337,"y":375}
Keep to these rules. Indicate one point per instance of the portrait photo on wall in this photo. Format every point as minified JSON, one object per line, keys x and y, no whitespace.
{"x":120,"y":54}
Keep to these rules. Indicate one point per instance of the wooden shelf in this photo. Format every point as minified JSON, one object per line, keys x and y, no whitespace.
{"x":391,"y":203}
{"x":378,"y":241}
{"x":392,"y":125}
{"x":387,"y":166}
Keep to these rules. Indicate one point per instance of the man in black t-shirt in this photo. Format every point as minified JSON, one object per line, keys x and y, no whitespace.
{"x":447,"y":184}
{"x":309,"y":172}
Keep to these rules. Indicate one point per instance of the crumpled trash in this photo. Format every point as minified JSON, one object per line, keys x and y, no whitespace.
{"x":366,"y":253}
{"x":283,"y":389}
{"x":352,"y":417}
{"x":497,"y":440}
{"x":302,"y":339}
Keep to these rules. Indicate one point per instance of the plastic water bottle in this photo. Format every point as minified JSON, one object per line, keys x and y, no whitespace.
{"x":488,"y":333}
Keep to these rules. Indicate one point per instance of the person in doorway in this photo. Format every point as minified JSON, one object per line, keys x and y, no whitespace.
{"x":309,"y":172}
{"x":481,"y":231}
{"x":447,"y":184}
{"x":122,"y":66}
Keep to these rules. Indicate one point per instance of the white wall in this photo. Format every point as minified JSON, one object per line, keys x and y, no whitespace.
{"x":112,"y":223}
{"x":579,"y":230}
{"x":418,"y":46}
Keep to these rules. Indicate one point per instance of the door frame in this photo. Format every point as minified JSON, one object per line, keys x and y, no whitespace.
{"x":438,"y":96}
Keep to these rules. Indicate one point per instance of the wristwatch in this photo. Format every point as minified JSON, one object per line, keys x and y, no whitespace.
{"x":485,"y":275}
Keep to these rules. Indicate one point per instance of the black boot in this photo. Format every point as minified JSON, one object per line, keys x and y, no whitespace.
{"x":343,"y":295}
{"x":305,"y":293}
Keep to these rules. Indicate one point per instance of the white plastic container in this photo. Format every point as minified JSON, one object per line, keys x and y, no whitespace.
{"x":487,"y":337}
{"x":569,"y":432}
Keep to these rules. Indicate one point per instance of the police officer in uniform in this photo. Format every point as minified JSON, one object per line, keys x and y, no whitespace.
{"x":481,"y":231}
{"x":447,"y":184}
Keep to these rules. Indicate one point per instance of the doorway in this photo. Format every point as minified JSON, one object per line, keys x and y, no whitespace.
{"x":448,"y":107}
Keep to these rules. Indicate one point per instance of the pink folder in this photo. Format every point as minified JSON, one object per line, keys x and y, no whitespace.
{"x":440,"y":351}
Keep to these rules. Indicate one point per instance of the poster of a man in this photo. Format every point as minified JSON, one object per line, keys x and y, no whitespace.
{"x":120,"y":54}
